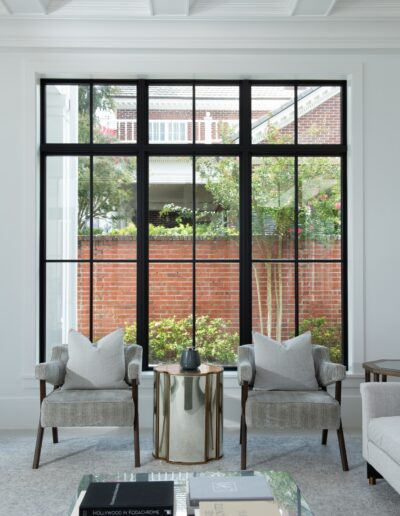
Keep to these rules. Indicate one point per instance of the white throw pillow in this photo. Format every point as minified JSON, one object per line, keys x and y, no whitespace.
{"x":286,"y":366}
{"x":100,"y":366}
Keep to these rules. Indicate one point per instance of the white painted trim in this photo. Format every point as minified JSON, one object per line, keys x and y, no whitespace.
{"x":185,"y":34}
{"x":203,"y":65}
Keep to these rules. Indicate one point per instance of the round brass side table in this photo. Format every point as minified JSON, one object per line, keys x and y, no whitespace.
{"x":188,"y":417}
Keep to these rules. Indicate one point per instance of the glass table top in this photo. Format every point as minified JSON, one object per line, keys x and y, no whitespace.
{"x":287,"y":495}
{"x":393,"y":365}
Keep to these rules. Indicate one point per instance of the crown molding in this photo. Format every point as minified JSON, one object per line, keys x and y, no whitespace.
{"x":154,"y":35}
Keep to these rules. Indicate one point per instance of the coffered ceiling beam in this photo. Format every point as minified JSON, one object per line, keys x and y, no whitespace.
{"x":170,"y":7}
{"x":312,"y":7}
{"x":26,"y":6}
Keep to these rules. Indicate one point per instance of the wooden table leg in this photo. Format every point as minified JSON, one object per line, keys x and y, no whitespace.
{"x":367,"y":376}
{"x":384,"y":378}
{"x":376,"y":377}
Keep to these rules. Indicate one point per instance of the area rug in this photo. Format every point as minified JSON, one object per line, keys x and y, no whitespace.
{"x":316,"y":469}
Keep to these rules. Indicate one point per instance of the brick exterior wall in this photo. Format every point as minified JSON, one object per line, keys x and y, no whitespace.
{"x":217,"y":284}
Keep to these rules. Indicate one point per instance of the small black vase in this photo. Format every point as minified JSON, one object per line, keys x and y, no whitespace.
{"x":190,"y":359}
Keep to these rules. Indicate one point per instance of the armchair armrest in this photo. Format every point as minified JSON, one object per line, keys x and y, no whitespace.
{"x":246,"y":367}
{"x":52,"y":372}
{"x":329,"y":373}
{"x":134,"y":364}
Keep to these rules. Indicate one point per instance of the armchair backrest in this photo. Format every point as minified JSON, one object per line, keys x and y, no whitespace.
{"x":131,"y":351}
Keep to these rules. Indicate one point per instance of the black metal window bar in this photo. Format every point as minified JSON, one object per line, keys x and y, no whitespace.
{"x":245,"y":150}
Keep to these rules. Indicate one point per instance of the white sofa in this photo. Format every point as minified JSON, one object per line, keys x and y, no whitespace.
{"x":381,"y":431}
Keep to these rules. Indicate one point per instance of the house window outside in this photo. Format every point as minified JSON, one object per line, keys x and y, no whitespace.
{"x":245,"y":230}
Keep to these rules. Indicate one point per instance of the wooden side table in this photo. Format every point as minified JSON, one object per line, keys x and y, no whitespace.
{"x":383,"y":368}
{"x":188,"y":418}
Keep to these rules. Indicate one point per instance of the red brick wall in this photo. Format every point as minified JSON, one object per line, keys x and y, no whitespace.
{"x":217,"y":284}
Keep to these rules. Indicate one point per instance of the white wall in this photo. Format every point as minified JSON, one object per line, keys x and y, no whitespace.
{"x":374,"y":186}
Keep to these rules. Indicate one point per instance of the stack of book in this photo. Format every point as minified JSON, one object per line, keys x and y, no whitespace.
{"x":128,"y":499}
{"x":231,"y":496}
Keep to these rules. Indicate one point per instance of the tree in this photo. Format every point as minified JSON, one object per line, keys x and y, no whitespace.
{"x":273,"y":213}
{"x":114,"y":178}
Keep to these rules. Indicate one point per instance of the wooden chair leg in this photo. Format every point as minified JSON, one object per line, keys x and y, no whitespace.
{"x":342,"y":446}
{"x":54,"y":431}
{"x":324,"y":436}
{"x":243,"y":455}
{"x":136,"y":424}
{"x":372,"y":474}
{"x":38,"y":448}
{"x":243,"y":426}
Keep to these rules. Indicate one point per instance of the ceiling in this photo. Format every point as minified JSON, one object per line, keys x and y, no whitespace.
{"x":210,"y":10}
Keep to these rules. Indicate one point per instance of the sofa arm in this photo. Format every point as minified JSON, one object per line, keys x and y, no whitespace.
{"x":246,"y":368}
{"x":52,"y":372}
{"x":380,"y":399}
{"x":134,"y":365}
{"x":329,"y":373}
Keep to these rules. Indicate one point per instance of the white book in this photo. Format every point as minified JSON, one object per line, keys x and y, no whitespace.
{"x":228,"y":488}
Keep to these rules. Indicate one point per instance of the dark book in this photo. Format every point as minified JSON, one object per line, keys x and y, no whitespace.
{"x":128,"y":499}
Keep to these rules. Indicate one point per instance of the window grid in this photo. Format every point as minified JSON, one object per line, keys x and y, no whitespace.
{"x":245,"y":150}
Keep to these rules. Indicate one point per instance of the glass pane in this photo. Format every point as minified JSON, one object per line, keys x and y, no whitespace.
{"x":170,"y":311}
{"x":114,"y":114}
{"x":67,"y":113}
{"x":217,"y":114}
{"x":67,"y":206}
{"x":114,"y":207}
{"x":170,"y":207}
{"x":274,"y":300}
{"x":67,"y":301}
{"x":319,"y":114}
{"x":319,"y":208}
{"x":273,"y":207}
{"x":272,"y":114}
{"x":217,"y":207}
{"x":170,"y":114}
{"x":114,"y":299}
{"x":217,"y":312}
{"x":320,"y":309}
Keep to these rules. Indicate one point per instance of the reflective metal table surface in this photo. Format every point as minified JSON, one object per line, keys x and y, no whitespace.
{"x":188,"y":414}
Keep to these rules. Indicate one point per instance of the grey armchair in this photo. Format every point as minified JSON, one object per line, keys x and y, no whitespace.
{"x":301,"y":410}
{"x":97,"y":407}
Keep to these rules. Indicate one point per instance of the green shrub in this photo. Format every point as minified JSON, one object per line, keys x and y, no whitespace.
{"x":322,"y":333}
{"x":170,"y":336}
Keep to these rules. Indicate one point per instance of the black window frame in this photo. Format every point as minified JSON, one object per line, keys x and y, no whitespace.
{"x":245,"y":150}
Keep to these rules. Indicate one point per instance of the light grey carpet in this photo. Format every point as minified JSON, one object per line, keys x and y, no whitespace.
{"x":317,"y":470}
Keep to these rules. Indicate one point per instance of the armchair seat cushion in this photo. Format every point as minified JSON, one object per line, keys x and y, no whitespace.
{"x":384,"y":432}
{"x":301,"y":410}
{"x":102,"y":407}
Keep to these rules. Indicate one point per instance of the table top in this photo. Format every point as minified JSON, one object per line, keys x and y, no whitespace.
{"x":383,"y":366}
{"x":286,"y":493}
{"x":175,"y":369}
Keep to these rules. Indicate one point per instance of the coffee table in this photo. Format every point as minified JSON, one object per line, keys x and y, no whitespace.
{"x":286,"y":493}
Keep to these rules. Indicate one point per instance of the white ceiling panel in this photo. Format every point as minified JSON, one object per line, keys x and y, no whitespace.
{"x":170,"y":7}
{"x":208,"y":10}
{"x":100,"y":8}
{"x":249,"y":8}
{"x":26,"y":6}
{"x":367,"y":8}
{"x":313,"y":7}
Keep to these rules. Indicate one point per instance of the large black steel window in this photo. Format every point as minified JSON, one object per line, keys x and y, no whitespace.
{"x":193,"y":212}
